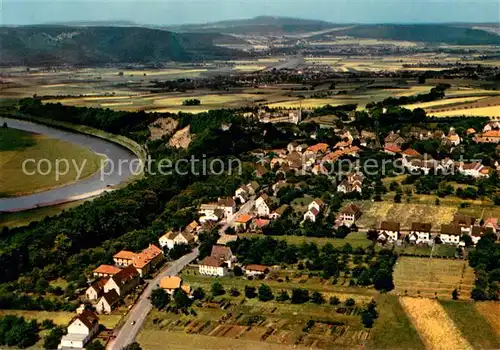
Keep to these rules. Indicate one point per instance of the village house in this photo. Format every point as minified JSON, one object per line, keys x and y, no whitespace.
{"x":314,"y":150}
{"x":313,"y":210}
{"x":392,"y":149}
{"x":193,"y":227}
{"x":96,"y":289}
{"x":258,"y":224}
{"x":453,"y":137}
{"x":394,"y":139}
{"x":208,"y":208}
{"x":147,"y":259}
{"x":492,"y":136}
{"x":228,"y":205}
{"x":171,"y":283}
{"x":278,"y":213}
{"x":226,"y":238}
{"x":124,"y":281}
{"x":106,"y":271}
{"x":242,"y":222}
{"x":477,"y":233}
{"x":492,"y":125}
{"x":211,"y":266}
{"x":353,"y":183}
{"x":124,"y":258}
{"x":214,"y":216}
{"x":420,"y":233}
{"x":491,"y":224}
{"x":349,"y":215}
{"x":81,"y":329}
{"x":172,"y":238}
{"x":107,"y":302}
{"x":389,"y":231}
{"x":224,"y":254}
{"x":474,"y":169}
{"x":450,"y":234}
{"x":260,"y":170}
{"x":464,"y":222}
{"x":263,"y":205}
{"x":255,"y":270}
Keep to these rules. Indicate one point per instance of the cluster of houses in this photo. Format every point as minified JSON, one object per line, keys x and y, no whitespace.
{"x":293,"y":116}
{"x":490,"y":134}
{"x":421,"y":233}
{"x":113,"y":282}
{"x":221,"y":261}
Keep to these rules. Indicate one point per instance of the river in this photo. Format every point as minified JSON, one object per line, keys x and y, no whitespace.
{"x":88,"y":187}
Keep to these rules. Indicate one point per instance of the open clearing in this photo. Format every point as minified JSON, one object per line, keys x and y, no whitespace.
{"x":16,"y":146}
{"x":405,"y":213}
{"x":433,"y":324}
{"x":355,"y":239}
{"x":430,"y":277}
{"x":474,"y":327}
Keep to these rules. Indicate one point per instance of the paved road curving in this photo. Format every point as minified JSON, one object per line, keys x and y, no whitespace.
{"x":85,"y":188}
{"x":138,"y":313}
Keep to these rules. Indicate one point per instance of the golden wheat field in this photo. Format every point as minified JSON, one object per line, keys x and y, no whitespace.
{"x":493,"y":111}
{"x":432,"y":322}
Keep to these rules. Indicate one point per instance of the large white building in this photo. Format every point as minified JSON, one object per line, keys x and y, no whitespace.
{"x":81,"y":329}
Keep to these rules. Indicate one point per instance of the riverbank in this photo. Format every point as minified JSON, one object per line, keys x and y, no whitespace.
{"x":116,"y":148}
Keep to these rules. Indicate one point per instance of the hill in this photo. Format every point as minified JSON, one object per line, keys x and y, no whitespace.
{"x":262,"y":25}
{"x":430,"y":33}
{"x":56,"y":45}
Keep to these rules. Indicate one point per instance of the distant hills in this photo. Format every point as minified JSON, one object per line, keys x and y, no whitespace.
{"x":93,"y":45}
{"x":455,"y":34}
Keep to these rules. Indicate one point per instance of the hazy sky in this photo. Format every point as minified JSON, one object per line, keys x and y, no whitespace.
{"x":202,"y":11}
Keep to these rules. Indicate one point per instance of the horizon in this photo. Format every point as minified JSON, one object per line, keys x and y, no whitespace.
{"x":193,"y":12}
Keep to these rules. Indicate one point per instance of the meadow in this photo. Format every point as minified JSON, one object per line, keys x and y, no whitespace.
{"x":16,"y":146}
{"x":355,"y":239}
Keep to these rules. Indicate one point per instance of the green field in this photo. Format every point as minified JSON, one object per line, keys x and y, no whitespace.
{"x":473,"y":326}
{"x":402,"y":334}
{"x":16,"y":146}
{"x":355,"y":239}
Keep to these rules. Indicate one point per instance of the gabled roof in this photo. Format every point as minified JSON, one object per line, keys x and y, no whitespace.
{"x":392,"y":148}
{"x":107,"y":269}
{"x":319,"y":202}
{"x":261,"y":222}
{"x":221,"y":252}
{"x":226,"y":202}
{"x":226,"y":238}
{"x":170,"y":282}
{"x":211,"y":261}
{"x":111,"y":297}
{"x":390,"y":226}
{"x":192,"y":226}
{"x":88,"y":318}
{"x":410,"y":152}
{"x":420,"y":226}
{"x":351,"y":209}
{"x":313,"y":211}
{"x":319,"y":147}
{"x":256,"y":267}
{"x":243,"y":218}
{"x":126,"y":275}
{"x":124,"y":254}
{"x":281,"y":209}
{"x":99,"y":284}
{"x":466,"y":220}
{"x":451,"y":229}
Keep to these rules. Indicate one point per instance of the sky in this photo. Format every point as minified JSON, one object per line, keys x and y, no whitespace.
{"x":173,"y":12}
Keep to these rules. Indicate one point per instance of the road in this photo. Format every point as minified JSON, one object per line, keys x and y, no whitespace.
{"x":138,"y":313}
{"x":244,"y":209}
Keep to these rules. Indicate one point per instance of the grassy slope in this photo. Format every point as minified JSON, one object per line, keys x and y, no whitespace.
{"x":393,"y":329}
{"x":472,"y":324}
{"x":17,"y":146}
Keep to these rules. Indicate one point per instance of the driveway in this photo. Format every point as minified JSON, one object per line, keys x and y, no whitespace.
{"x":138,"y":313}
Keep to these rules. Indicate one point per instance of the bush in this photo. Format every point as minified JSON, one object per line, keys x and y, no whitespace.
{"x":350,"y":302}
{"x":250,"y":292}
{"x":334,"y":300}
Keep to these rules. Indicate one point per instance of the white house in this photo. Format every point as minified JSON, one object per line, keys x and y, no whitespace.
{"x":211,"y":266}
{"x":450,"y":234}
{"x":311,"y":215}
{"x":389,"y":231}
{"x":263,"y":205}
{"x":107,"y":301}
{"x":228,"y":205}
{"x":255,"y":270}
{"x":96,"y":289}
{"x":349,"y":215}
{"x":317,"y":204}
{"x":420,"y":233}
{"x":170,"y":239}
{"x":124,"y":281}
{"x":224,"y":254}
{"x":80,"y":330}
